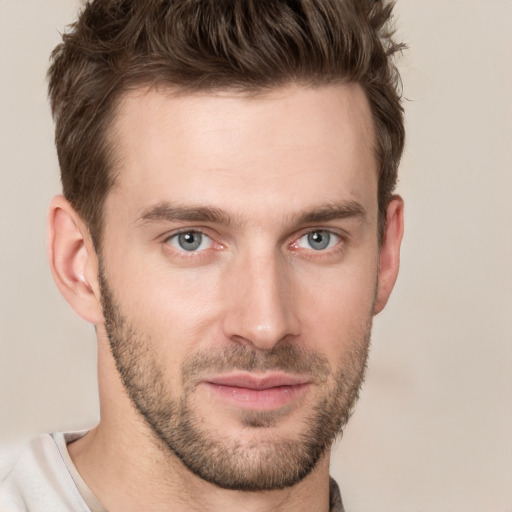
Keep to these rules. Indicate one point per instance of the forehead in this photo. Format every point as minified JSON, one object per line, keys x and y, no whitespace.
{"x":282,"y":149}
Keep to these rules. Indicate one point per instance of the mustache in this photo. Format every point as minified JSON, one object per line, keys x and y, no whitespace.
{"x":286,"y":357}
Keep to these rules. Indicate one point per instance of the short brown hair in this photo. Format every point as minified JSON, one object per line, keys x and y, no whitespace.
{"x":200,"y":45}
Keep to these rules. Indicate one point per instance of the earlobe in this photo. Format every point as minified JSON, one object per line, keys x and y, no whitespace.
{"x":73,"y":260}
{"x":389,"y":258}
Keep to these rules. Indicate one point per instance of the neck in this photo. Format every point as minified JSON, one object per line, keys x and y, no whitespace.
{"x":133,"y":475}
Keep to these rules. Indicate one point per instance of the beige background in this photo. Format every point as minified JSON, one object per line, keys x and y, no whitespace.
{"x":433,"y":429}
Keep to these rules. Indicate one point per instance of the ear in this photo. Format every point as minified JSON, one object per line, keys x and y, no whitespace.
{"x":389,"y":258}
{"x":73,"y":260}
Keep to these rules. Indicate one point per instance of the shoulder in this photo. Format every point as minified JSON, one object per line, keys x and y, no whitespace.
{"x":37,"y":480}
{"x":336,"y":504}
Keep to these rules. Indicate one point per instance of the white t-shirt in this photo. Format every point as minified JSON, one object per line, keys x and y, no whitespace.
{"x":44,"y":479}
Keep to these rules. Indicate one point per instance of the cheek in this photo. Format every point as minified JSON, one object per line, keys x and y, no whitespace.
{"x":336,"y":309}
{"x":180,"y":310}
{"x":172,"y":306}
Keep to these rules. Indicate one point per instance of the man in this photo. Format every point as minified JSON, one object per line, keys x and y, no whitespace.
{"x":229,"y":226}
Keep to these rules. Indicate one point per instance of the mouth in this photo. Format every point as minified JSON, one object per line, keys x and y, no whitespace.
{"x":260,"y":392}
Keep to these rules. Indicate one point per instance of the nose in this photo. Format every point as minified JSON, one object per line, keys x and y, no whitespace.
{"x":259,"y":310}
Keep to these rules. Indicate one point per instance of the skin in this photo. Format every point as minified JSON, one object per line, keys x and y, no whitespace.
{"x":267,"y":162}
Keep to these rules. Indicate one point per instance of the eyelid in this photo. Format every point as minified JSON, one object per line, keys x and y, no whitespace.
{"x":178,"y":231}
{"x":340,"y":238}
{"x":294,"y":244}
{"x":172,"y":240}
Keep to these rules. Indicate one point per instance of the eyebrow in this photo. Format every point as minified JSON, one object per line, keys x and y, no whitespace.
{"x":169,"y":212}
{"x":332,"y":211}
{"x":165,"y":212}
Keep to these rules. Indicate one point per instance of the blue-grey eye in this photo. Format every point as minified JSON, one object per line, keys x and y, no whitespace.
{"x":190,"y":241}
{"x":318,"y":240}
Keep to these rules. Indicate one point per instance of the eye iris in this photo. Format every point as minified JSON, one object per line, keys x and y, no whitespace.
{"x":319,"y":240}
{"x":190,"y":240}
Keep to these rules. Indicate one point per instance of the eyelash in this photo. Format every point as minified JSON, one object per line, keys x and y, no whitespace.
{"x":328,"y":252}
{"x":188,"y":255}
{"x":309,"y":253}
{"x":176,"y":236}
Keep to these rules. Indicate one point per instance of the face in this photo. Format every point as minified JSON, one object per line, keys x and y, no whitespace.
{"x":239,"y":272}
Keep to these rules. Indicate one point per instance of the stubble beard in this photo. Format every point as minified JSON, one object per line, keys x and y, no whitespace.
{"x":258,"y":465}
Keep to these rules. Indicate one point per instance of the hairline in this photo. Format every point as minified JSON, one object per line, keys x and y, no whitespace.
{"x":114,"y":159}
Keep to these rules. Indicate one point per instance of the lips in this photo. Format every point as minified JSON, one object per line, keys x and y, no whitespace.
{"x":257,"y":391}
